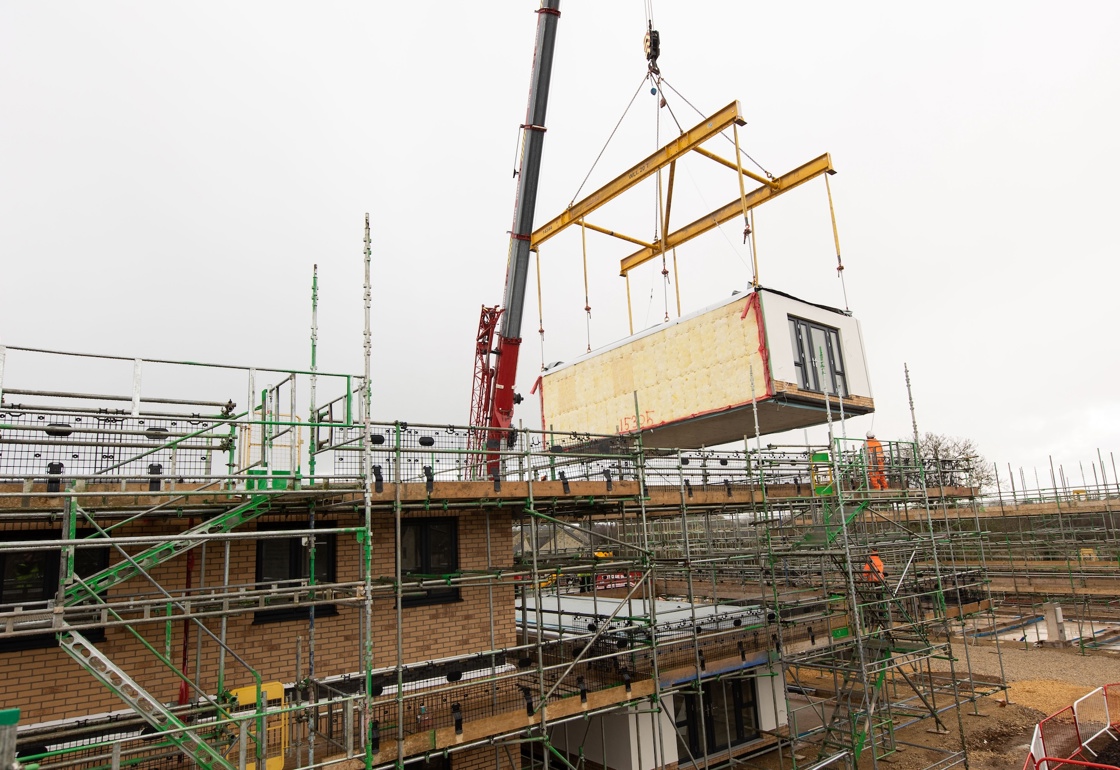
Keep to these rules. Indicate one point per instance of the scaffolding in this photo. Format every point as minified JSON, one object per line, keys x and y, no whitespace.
{"x":601,"y":579}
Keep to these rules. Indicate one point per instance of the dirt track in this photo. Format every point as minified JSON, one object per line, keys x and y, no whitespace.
{"x":1042,"y":681}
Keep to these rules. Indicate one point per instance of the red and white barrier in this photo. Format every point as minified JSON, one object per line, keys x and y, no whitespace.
{"x":1064,"y":737}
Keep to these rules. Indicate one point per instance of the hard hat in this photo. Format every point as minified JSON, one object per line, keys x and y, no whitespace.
{"x":871,"y":434}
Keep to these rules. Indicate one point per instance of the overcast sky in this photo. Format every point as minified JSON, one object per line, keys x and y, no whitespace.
{"x":169,"y":172}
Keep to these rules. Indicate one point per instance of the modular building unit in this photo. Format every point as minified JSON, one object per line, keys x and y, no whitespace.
{"x":724,"y":709}
{"x":697,"y":378}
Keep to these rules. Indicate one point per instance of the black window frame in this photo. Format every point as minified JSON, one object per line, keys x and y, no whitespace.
{"x":423,"y":527}
{"x":286,"y":610}
{"x":808,"y":372}
{"x":426,"y":762}
{"x":95,"y":560}
{"x":708,"y":741}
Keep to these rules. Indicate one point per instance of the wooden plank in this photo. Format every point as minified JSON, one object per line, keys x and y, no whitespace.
{"x":502,"y":724}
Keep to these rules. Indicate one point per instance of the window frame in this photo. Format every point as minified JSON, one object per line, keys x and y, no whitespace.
{"x":707,"y":742}
{"x":49,"y":582}
{"x":429,"y":596}
{"x":837,"y":371}
{"x":296,"y":552}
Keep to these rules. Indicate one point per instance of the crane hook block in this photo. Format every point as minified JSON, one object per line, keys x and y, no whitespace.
{"x":653,"y":49}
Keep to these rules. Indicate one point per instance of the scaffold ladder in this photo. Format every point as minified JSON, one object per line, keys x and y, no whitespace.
{"x":850,"y":726}
{"x":76,"y":593}
{"x":141,"y":701}
{"x":831,"y":525}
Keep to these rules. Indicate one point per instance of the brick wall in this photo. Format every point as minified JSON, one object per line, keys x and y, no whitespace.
{"x":48,"y":685}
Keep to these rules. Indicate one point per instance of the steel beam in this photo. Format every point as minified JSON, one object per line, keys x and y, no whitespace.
{"x":683,"y":144}
{"x":731,"y":165}
{"x":781,"y":184}
{"x":621,"y":236}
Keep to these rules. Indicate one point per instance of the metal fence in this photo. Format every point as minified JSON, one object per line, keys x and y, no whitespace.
{"x":1070,"y":734}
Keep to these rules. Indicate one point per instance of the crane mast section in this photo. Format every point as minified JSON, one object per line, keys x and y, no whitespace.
{"x":517,"y":269}
{"x":500,"y":395}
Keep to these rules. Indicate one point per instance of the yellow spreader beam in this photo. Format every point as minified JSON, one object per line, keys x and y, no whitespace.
{"x":689,"y":141}
{"x":779,"y":185}
{"x":683,"y":144}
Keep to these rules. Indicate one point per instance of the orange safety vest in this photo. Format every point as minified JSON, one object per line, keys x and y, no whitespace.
{"x":873,"y":569}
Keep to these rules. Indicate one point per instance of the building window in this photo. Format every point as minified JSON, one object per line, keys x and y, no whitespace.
{"x":440,"y":762}
{"x":285,"y":562}
{"x":29,"y":580}
{"x":722,"y":715}
{"x":812,"y":344}
{"x":429,"y":549}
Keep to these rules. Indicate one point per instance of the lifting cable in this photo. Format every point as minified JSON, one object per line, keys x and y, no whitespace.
{"x":653,"y":51}
{"x":540,"y":304}
{"x":659,"y":223}
{"x":614,"y":131}
{"x":748,"y":239}
{"x":748,"y":215}
{"x":747,"y":229}
{"x":836,"y":240}
{"x":629,"y":304}
{"x":652,"y":45}
{"x":586,"y":292}
{"x":761,"y":168}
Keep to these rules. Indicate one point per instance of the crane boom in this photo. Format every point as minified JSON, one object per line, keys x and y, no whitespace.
{"x":497,"y":390}
{"x":517,"y":270}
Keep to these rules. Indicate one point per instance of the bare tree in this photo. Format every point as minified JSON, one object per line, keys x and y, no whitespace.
{"x":955,"y":462}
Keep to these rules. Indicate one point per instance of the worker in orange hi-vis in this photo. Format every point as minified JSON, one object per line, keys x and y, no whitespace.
{"x":873,"y":571}
{"x":876,"y":461}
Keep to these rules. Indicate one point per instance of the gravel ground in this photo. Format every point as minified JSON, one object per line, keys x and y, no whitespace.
{"x":1042,"y":678}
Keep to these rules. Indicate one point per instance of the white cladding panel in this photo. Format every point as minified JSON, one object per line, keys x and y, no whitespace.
{"x":625,"y":736}
{"x":630,"y":739}
{"x":776,"y":310}
{"x":771,"y":699}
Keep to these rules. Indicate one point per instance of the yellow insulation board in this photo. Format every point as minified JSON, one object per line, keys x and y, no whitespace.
{"x":695,"y":366}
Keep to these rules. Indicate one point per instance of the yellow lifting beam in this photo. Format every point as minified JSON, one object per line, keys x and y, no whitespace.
{"x":731,"y":165}
{"x":620,"y":236}
{"x":682,"y":145}
{"x":736,"y":208}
